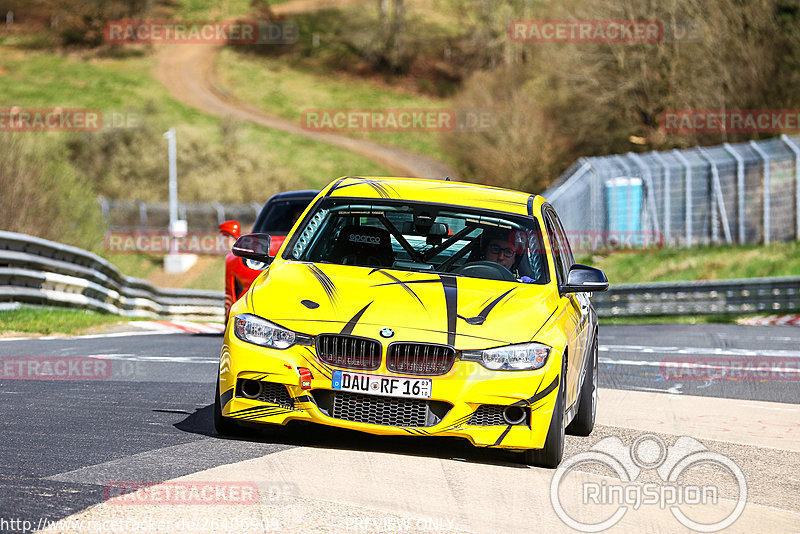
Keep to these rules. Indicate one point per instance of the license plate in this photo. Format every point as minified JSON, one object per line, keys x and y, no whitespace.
{"x":389,"y":386}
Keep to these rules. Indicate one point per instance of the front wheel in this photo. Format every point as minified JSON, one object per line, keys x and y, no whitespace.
{"x":583,"y":423}
{"x":553,"y":451}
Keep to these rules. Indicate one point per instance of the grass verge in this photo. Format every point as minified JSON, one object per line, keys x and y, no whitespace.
{"x":218,"y":160}
{"x":278,"y":86}
{"x":672,"y":319}
{"x":699,"y":263}
{"x":47,"y":320}
{"x":207,"y":273}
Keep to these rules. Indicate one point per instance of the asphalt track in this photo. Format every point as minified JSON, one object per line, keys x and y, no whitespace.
{"x":148,"y":420}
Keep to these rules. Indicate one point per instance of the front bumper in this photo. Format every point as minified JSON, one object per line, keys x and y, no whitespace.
{"x":455,"y":396}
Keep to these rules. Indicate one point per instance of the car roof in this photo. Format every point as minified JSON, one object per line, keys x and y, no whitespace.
{"x":290,"y":195}
{"x":436,"y":191}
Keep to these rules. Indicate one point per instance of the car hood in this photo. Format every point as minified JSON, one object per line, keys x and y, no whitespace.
{"x":467,"y":313}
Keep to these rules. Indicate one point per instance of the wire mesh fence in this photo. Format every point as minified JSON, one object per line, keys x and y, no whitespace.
{"x":731,"y":193}
{"x":145,"y":216}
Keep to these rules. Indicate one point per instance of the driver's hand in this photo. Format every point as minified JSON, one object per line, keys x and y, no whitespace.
{"x":527,"y":280}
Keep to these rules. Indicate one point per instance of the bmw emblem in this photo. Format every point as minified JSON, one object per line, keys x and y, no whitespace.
{"x":387,"y":332}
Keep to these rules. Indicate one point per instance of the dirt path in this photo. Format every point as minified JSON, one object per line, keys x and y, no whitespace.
{"x":188,"y":73}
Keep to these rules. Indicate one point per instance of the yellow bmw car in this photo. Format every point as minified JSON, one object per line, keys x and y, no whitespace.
{"x":401,"y":306}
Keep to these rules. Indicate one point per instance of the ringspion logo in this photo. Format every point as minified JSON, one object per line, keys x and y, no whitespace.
{"x":597,"y":503}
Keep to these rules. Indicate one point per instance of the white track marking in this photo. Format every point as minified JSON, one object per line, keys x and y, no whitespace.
{"x":167,"y":359}
{"x":150,"y":328}
{"x":674,"y":390}
{"x":706,"y":351}
{"x":697,"y":365}
{"x":88,"y":336}
{"x":181,"y":326}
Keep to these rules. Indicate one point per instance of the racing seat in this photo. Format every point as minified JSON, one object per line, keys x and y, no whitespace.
{"x":366,"y":246}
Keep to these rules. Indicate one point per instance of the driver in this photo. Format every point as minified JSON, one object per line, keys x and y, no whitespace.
{"x":502,"y":246}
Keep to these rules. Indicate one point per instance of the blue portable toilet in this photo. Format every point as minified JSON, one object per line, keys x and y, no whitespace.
{"x":624,"y":204}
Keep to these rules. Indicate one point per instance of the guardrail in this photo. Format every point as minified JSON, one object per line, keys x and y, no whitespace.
{"x":713,"y":297}
{"x":38,"y":271}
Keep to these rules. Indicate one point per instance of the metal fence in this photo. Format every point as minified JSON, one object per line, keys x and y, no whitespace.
{"x":139,"y":215}
{"x":731,"y":193}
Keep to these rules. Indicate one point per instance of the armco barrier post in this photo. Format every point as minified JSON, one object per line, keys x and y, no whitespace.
{"x":667,"y":197}
{"x":739,"y":188}
{"x":688,"y":166}
{"x":796,"y":150}
{"x":650,"y":192}
{"x":720,"y":212}
{"x":765,"y":157}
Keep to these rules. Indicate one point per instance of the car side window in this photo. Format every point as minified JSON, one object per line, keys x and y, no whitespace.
{"x":561,"y":251}
{"x":562,"y":237}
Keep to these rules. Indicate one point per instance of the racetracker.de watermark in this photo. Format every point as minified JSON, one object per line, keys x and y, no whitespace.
{"x":162,"y":242}
{"x":54,"y":368}
{"x":752,"y":368}
{"x":589,"y":502}
{"x":586,"y":31}
{"x":183,"y":493}
{"x":730,"y":121}
{"x":19,"y":119}
{"x":608,"y":241}
{"x":397,"y":120}
{"x":200,"y":32}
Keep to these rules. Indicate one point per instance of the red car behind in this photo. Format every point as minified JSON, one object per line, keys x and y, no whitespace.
{"x":276,"y":219}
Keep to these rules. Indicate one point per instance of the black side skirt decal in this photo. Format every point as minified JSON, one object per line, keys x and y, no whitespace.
{"x":539,"y":395}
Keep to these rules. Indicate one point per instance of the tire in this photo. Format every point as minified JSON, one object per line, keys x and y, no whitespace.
{"x":551,"y":454}
{"x":583,"y":423}
{"x":224,"y":426}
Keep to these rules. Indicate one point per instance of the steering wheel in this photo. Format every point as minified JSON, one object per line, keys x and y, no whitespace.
{"x":485,"y":269}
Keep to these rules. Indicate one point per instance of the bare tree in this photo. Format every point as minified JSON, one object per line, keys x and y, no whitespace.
{"x":596,"y":98}
{"x":390,"y":51}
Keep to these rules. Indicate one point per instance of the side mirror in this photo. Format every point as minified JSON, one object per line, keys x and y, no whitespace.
{"x":231,"y":228}
{"x":253,"y":247}
{"x":584,"y":279}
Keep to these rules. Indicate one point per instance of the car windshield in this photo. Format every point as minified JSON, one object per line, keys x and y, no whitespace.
{"x":422,"y":237}
{"x":278,"y":217}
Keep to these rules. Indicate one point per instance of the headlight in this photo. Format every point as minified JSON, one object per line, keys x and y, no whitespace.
{"x":523,"y":357}
{"x":253,"y":264}
{"x":258,"y":331}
